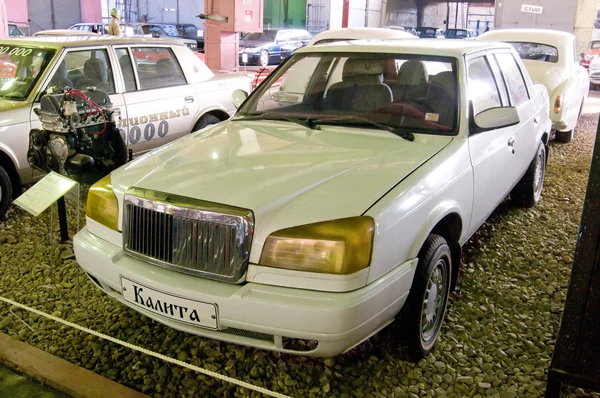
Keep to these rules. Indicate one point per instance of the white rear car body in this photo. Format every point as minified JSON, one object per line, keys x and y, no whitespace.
{"x":343,"y":34}
{"x":561,"y":73}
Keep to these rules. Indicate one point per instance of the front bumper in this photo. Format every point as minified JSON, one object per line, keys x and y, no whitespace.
{"x":253,"y":314}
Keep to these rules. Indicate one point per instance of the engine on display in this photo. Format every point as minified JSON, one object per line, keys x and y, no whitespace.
{"x":78,"y":135}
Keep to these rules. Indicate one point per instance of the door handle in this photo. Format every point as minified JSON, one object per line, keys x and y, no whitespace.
{"x":536,"y":120}
{"x":189,"y":99}
{"x":511,"y":142}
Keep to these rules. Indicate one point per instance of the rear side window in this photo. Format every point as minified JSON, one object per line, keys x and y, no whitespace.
{"x":157,"y":67}
{"x":513,"y":78}
{"x":483,"y":90}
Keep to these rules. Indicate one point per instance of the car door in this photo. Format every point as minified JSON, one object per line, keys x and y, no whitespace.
{"x":161,"y":105}
{"x":520,"y":93}
{"x":492,"y":152}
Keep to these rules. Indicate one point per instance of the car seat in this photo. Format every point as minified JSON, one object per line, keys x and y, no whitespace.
{"x":60,"y":77}
{"x":411,"y":81}
{"x":441,"y":95}
{"x":95,"y":74}
{"x":361,"y":89}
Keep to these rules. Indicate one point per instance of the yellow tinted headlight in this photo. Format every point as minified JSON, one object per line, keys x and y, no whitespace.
{"x":102,"y":205}
{"x":339,"y":247}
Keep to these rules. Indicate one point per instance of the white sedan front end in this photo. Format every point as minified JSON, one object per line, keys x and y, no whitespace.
{"x":327,"y":209}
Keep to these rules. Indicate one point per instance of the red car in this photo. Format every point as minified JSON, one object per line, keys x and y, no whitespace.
{"x":592,"y":51}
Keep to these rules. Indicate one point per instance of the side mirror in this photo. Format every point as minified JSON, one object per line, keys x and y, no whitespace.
{"x":238,"y":97}
{"x":496,"y":118}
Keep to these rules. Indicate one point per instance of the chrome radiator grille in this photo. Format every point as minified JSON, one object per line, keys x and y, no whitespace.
{"x":190,"y":236}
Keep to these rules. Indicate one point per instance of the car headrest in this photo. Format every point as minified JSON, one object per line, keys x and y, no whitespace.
{"x":165,"y":66}
{"x":445,"y":81}
{"x":412,"y":73}
{"x":95,"y":68}
{"x":363,"y":69}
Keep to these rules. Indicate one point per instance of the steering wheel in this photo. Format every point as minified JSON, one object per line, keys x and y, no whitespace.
{"x":423,"y":104}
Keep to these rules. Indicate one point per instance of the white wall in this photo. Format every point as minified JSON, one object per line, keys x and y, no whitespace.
{"x":336,"y":10}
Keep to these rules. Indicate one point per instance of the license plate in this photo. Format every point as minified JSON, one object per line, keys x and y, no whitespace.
{"x":196,"y":313}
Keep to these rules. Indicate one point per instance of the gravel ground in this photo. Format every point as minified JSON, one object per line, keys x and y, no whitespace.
{"x":497,"y":341}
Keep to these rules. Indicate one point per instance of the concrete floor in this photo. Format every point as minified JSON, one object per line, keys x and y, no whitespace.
{"x":592,"y":103}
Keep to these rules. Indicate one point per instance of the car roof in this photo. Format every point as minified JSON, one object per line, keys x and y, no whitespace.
{"x":81,"y":41}
{"x":526,"y":35}
{"x":452,"y":48}
{"x":361,"y":33}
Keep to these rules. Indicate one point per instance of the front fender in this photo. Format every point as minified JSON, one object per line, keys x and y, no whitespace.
{"x":436,"y":215}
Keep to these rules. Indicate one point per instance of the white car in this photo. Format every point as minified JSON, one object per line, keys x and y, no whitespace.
{"x":63,"y":32}
{"x":306,"y":226}
{"x":162,"y":89}
{"x":334,"y":35}
{"x":551,"y":58}
{"x":594,"y":69}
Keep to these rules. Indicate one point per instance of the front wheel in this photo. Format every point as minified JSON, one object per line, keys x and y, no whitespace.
{"x":528,"y":190}
{"x":264,"y":58}
{"x":5,"y":192}
{"x":204,"y":121}
{"x":415,"y":331}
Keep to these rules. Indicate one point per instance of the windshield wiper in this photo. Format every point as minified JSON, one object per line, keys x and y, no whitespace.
{"x":363,"y":120}
{"x":305,"y":122}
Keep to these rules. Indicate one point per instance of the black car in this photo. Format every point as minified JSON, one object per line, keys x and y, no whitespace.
{"x":425,"y":32}
{"x":271,"y":46}
{"x":190,"y":31}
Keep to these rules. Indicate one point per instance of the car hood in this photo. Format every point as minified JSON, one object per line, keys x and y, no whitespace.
{"x":253,"y":43}
{"x":286,"y":174}
{"x":549,"y":74}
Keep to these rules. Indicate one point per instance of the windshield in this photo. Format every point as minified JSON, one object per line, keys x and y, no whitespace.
{"x":536,"y":51}
{"x":456,"y":33}
{"x":20,"y":69}
{"x":170,"y":30}
{"x":267,"y":35}
{"x":412,"y":92}
{"x":595,"y":45}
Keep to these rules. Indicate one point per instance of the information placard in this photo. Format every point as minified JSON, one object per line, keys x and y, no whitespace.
{"x":45,"y":192}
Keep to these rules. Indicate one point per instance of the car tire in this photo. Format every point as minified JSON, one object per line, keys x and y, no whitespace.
{"x":528,"y":190}
{"x":564,"y":136}
{"x":5,"y":192}
{"x":205,"y":120}
{"x":414,"y":332}
{"x":264,"y":58}
{"x":567,"y":136}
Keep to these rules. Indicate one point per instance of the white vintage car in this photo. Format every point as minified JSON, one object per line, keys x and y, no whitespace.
{"x":334,"y":35}
{"x":307,"y":223}
{"x":162,"y":89}
{"x":551,"y":58}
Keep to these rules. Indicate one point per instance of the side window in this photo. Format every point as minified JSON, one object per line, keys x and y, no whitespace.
{"x":126,"y":69}
{"x":88,"y":68}
{"x":157,"y":67}
{"x":483,"y":91}
{"x":514,"y":78}
{"x":501,"y":84}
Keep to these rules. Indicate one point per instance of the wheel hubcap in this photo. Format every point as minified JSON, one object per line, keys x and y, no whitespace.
{"x":538,"y":177}
{"x":434,"y":302}
{"x":264,"y":58}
